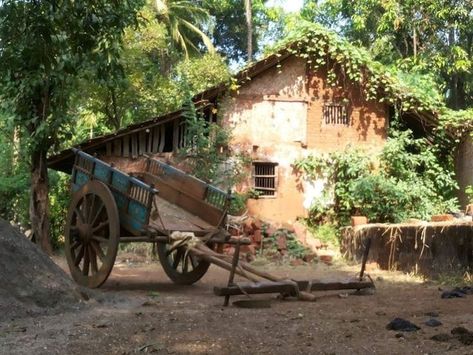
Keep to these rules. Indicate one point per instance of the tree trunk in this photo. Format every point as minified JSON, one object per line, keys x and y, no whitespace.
{"x":249,"y":26}
{"x":39,"y":203}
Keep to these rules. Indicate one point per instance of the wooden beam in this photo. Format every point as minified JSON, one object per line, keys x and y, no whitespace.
{"x":286,"y":287}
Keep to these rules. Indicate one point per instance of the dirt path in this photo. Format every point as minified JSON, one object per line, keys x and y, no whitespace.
{"x":144,"y":312}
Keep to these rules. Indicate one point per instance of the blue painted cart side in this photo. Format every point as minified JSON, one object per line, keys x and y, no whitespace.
{"x":133,"y":197}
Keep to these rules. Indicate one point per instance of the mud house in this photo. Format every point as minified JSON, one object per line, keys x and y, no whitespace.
{"x":284,"y":108}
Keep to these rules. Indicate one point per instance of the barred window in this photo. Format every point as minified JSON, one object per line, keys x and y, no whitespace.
{"x":336,"y":114}
{"x":265,"y":178}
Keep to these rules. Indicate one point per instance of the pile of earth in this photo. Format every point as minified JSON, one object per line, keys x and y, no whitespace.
{"x":30,"y":282}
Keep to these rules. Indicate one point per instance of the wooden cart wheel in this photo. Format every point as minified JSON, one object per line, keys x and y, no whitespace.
{"x":181,"y":267}
{"x":92,"y":234}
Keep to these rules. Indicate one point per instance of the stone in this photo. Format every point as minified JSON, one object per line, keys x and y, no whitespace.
{"x":402,"y":325}
{"x":270,"y":230}
{"x":442,"y":218}
{"x":300,"y":231}
{"x":257,"y":237}
{"x":308,"y":258}
{"x":256,"y":224}
{"x":281,"y":243}
{"x":297,"y":262}
{"x":464,"y":335}
{"x":358,"y":220}
{"x":248,"y":249}
{"x":327,"y":259}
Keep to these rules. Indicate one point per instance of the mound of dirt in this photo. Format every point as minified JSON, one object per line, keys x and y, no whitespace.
{"x":30,"y":282}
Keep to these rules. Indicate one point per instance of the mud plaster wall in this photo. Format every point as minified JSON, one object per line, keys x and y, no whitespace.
{"x":368,"y":121}
{"x":277,"y":117}
{"x":464,"y":168}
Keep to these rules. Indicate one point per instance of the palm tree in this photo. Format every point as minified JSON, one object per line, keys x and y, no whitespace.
{"x":249,"y":25}
{"x":183,"y":19}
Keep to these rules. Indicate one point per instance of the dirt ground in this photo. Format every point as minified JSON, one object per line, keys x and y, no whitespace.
{"x":142,"y":311}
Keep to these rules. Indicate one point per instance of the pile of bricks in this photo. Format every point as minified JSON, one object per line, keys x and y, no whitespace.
{"x":261,"y":234}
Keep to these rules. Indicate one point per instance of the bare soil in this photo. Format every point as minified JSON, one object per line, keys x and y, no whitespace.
{"x":30,"y":282}
{"x":142,"y":311}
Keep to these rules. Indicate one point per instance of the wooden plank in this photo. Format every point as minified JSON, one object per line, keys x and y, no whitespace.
{"x":108,"y":149}
{"x":186,"y":183}
{"x":156,"y":136}
{"x":134,"y":145}
{"x":126,"y":146}
{"x":285,"y":287}
{"x":191,"y":204}
{"x":142,"y":143}
{"x":149,"y":134}
{"x":117,"y":147}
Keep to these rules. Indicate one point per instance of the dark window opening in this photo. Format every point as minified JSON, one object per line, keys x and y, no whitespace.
{"x":265,"y":178}
{"x":336,"y":114}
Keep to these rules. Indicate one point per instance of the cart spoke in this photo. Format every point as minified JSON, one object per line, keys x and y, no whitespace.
{"x":91,"y":209}
{"x":79,"y":255}
{"x":84,"y":208}
{"x":100,"y":226}
{"x":99,"y":239}
{"x":93,"y":259}
{"x":97,"y":250}
{"x":177,"y":258}
{"x":75,"y":244}
{"x":85,"y":270}
{"x":78,"y":212}
{"x":97,"y":214}
{"x":193,"y":261}
{"x":185,"y":266}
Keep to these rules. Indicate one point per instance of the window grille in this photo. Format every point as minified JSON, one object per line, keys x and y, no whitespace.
{"x":336,"y":114}
{"x":265,"y":178}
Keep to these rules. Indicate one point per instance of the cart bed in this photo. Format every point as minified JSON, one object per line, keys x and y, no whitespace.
{"x":174,"y":218}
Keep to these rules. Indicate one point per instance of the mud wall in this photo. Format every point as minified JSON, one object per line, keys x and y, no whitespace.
{"x":429,"y":250}
{"x":464,"y":167}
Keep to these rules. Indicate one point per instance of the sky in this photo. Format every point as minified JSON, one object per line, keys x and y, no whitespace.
{"x":288,"y":5}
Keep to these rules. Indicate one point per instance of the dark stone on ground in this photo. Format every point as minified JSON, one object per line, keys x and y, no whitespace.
{"x":402,"y":325}
{"x":464,"y":335}
{"x":452,"y":294}
{"x":432,"y":322}
{"x":466,"y":290}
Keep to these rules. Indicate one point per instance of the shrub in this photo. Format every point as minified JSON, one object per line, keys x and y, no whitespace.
{"x":407,"y":180}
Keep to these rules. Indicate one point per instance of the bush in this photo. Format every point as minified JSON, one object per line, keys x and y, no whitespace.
{"x":408,"y":180}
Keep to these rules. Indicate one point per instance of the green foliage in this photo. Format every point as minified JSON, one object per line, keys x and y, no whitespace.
{"x":239,"y":200}
{"x":207,"y":152}
{"x":326,"y":233}
{"x":469,"y":193}
{"x":47,"y":49}
{"x":229,"y":29}
{"x":409,"y":182}
{"x":183,"y":18}
{"x":14,"y":178}
{"x":59,"y":199}
{"x":431,"y":36}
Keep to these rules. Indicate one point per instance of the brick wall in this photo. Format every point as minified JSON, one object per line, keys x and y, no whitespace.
{"x":367,"y":119}
{"x":277,"y":117}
